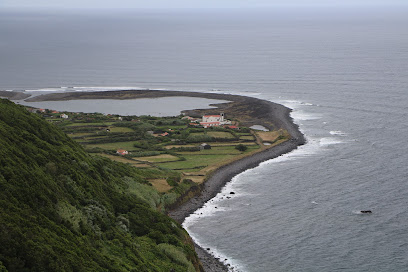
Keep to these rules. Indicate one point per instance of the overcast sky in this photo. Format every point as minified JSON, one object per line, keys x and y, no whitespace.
{"x":189,"y":3}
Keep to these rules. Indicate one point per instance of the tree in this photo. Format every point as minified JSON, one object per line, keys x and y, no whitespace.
{"x":241,"y":147}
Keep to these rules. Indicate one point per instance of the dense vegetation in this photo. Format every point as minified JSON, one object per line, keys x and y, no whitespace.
{"x":64,"y":210}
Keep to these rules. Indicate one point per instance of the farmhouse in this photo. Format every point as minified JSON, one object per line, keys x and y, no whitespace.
{"x":231,"y":127}
{"x":64,"y":116}
{"x":122,"y":152}
{"x":204,"y":146}
{"x":214,"y":120}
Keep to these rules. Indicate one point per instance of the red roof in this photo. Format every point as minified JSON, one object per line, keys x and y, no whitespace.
{"x":212,"y":116}
{"x":210,"y":123}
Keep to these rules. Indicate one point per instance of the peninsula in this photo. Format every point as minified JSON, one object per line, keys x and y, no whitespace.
{"x":248,"y":111}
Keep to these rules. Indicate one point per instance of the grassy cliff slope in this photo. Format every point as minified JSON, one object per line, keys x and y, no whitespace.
{"x":63,"y":210}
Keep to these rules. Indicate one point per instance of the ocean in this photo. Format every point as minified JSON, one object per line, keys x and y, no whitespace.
{"x":343,"y":71}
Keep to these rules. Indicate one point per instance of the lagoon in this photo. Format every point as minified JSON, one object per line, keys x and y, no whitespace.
{"x":163,"y":106}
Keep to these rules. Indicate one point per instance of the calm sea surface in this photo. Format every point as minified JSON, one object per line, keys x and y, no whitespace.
{"x":343,"y":72}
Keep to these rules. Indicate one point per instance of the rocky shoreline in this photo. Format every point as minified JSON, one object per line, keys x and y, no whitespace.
{"x":252,"y":111}
{"x":281,"y":118}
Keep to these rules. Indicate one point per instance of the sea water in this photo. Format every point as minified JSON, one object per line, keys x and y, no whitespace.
{"x":344,"y":72}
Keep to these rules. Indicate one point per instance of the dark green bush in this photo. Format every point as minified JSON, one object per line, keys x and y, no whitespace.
{"x":241,"y":147}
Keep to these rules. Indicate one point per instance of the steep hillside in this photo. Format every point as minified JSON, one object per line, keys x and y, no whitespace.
{"x":63,"y":210}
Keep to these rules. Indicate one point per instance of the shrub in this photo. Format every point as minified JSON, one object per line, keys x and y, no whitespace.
{"x":176,"y":254}
{"x":245,"y":130}
{"x":173,"y":181}
{"x":241,"y":147}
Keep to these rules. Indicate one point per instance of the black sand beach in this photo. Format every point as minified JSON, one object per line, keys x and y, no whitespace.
{"x":251,"y":111}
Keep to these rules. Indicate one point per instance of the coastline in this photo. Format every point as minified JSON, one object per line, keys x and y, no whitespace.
{"x":257,"y":112}
{"x":224,"y":174}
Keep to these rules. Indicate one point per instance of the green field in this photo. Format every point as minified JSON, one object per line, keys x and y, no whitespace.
{"x":124,"y":160}
{"x":114,"y":146}
{"x":251,"y":138}
{"x":120,"y":129}
{"x":193,"y":161}
{"x":159,"y":158}
{"x":217,"y":150}
{"x":232,"y":144}
{"x":90,"y":124}
{"x":220,"y":134}
{"x":223,"y":142}
{"x":80,"y":134}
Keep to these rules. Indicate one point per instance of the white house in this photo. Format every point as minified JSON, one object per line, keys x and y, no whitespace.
{"x":64,"y":116}
{"x":214,"y":120}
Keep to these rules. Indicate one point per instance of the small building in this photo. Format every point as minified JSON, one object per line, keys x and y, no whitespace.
{"x":122,"y":152}
{"x":232,"y":127}
{"x":64,"y":116}
{"x":210,"y":124}
{"x":204,"y":146}
{"x":164,"y":134}
{"x":213,"y":118}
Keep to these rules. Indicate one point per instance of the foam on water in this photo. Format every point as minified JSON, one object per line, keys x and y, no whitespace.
{"x":293,"y":104}
{"x":312,"y":147}
{"x":338,"y":133}
{"x":85,"y":89}
{"x":303,"y":116}
{"x":209,"y":209}
{"x":329,"y":141}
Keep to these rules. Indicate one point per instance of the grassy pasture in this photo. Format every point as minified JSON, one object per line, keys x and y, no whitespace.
{"x":114,"y":146}
{"x":161,"y":185}
{"x":120,"y":129}
{"x":232,"y":144}
{"x":217,"y":150}
{"x":249,"y":137}
{"x":125,"y":160}
{"x":95,"y":124}
{"x":220,"y":134}
{"x":159,"y":158}
{"x":177,"y":146}
{"x":80,"y":134}
{"x":272,"y":136}
{"x":193,"y":161}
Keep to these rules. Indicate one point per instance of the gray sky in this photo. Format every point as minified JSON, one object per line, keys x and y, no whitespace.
{"x":190,"y":3}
